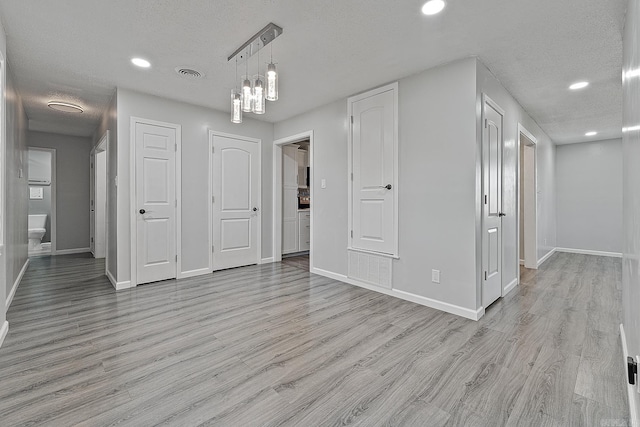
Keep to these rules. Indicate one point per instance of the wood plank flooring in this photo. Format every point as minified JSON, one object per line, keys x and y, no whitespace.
{"x":274,"y":345}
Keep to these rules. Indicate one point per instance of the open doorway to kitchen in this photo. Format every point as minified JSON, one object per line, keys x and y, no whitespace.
{"x":42,"y":201}
{"x":293,"y":200}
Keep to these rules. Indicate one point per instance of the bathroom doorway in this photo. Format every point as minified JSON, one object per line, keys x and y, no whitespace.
{"x":42,"y":201}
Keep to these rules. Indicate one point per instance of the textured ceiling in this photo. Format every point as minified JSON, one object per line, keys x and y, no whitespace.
{"x":79,"y":50}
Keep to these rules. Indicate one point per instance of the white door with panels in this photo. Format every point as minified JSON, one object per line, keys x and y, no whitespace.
{"x":156,"y":202}
{"x":492,"y":144}
{"x":236,"y":200}
{"x":373,"y":136}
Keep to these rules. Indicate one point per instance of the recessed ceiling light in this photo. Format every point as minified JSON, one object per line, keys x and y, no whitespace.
{"x":65,"y":106}
{"x":579,"y":85}
{"x":592,"y":133}
{"x":139,"y":62}
{"x":433,"y":6}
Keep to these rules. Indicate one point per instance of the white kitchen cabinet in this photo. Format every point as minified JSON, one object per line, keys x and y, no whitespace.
{"x":303,"y":162}
{"x":304,"y":231}
{"x":289,"y":199}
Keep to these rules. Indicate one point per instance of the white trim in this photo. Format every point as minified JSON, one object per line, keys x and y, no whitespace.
{"x":111,"y":278}
{"x":407,"y":296}
{"x":16,"y":284}
{"x":267,"y":260}
{"x":511,"y":286}
{"x":54,"y":195}
{"x":631,"y":390}
{"x":546,"y":257}
{"x":258,"y":141}
{"x":196,"y":272}
{"x":521,"y":262}
{"x":589,"y":252}
{"x":133,"y":202}
{"x":3,"y":332}
{"x":124,"y":285}
{"x":103,"y":140}
{"x":73,"y":251}
{"x":277,"y":192}
{"x":350,"y":101}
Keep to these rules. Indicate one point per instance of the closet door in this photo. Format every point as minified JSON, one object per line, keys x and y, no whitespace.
{"x":373,"y":161}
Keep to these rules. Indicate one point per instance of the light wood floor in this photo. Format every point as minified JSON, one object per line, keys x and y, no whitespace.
{"x":275,"y":345}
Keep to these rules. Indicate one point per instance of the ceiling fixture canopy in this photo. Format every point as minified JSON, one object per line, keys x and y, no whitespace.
{"x":65,"y":106}
{"x":257,"y":88}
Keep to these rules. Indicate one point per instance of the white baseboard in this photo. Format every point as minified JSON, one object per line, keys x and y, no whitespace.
{"x":118,"y":286}
{"x":3,"y":331}
{"x":407,"y":296}
{"x":193,"y":273}
{"x":72,"y":251}
{"x":521,"y":262}
{"x":546,"y":257}
{"x":631,"y":392}
{"x":590,"y":252}
{"x":16,"y":284}
{"x":267,"y":260}
{"x":511,"y":286}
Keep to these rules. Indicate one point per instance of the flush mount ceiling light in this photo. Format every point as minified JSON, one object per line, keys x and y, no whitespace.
{"x":140,"y":62}
{"x":579,"y":85}
{"x":433,"y":6}
{"x":65,"y":106}
{"x":256,"y":89}
{"x":592,"y":133}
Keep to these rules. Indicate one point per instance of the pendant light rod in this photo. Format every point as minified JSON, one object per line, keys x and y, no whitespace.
{"x":257,"y":42}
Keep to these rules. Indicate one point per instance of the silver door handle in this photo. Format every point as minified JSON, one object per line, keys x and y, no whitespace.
{"x":502,"y":214}
{"x":255,"y":209}
{"x":388,"y":186}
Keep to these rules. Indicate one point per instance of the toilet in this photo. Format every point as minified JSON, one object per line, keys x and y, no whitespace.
{"x":37,"y":231}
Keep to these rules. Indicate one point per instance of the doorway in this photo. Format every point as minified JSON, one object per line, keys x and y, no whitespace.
{"x":42,"y":201}
{"x":98,"y":204}
{"x":527,"y":200}
{"x":293,"y":202}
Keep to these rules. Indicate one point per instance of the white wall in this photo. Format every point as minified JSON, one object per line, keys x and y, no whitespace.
{"x":545,"y":170}
{"x":631,"y":186}
{"x":589,"y":194}
{"x":196,"y":122}
{"x":16,"y":174}
{"x":72,"y":186}
{"x":436,"y":183}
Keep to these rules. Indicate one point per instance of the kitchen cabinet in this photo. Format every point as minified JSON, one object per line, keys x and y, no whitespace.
{"x":304,"y":231}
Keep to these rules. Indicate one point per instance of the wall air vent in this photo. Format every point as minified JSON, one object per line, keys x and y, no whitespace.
{"x":189,"y":73}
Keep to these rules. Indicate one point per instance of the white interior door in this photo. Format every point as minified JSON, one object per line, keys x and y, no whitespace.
{"x":492,"y":142}
{"x":289,"y":199}
{"x":236,"y":201}
{"x":373,"y":187}
{"x":155,"y":210}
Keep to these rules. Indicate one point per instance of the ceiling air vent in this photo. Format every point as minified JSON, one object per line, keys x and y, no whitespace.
{"x":189,"y":73}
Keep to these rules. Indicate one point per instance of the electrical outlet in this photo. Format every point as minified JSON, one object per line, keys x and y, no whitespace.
{"x":435,"y":276}
{"x":323,"y":183}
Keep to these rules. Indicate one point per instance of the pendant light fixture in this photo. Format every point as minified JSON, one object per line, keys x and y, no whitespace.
{"x":257,"y":89}
{"x":272,"y":80}
{"x":258,"y":92}
{"x":236,"y":102}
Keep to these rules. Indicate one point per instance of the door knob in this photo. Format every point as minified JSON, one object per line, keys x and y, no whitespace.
{"x":388,"y":186}
{"x":142,"y":211}
{"x":502,"y":214}
{"x":255,"y":209}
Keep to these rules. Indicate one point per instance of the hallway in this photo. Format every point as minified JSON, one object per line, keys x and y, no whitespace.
{"x":275,"y":345}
